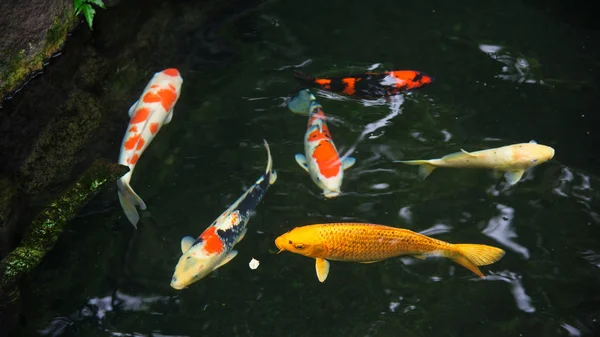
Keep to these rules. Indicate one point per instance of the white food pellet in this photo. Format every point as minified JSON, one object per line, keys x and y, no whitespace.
{"x":253,"y":263}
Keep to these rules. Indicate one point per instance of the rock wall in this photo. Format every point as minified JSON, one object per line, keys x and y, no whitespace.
{"x":32,"y":31}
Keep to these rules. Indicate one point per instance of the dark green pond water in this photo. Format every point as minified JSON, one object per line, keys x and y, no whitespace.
{"x":506,"y":72}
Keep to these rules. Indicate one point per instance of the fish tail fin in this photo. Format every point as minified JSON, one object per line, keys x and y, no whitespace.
{"x":301,"y":102}
{"x":425,"y":167}
{"x":129,"y":200}
{"x":472,"y":255}
{"x":304,"y":78}
{"x":269,"y":170}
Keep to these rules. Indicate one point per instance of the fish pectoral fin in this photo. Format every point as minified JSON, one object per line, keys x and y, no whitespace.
{"x":169,"y":117}
{"x":367,"y":262}
{"x":322,"y":267}
{"x":301,"y":160}
{"x":532,"y":142}
{"x":420,"y":256}
{"x":513,"y":177}
{"x":186,"y":243}
{"x":468,"y":153}
{"x":348,"y":162}
{"x":227,"y":258}
{"x":132,"y":108}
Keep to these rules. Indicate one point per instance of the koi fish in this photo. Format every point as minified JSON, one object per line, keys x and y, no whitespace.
{"x":368,"y":243}
{"x":148,"y":114}
{"x":323,"y":164}
{"x":513,"y":160}
{"x":369,"y":85}
{"x":214,"y":247}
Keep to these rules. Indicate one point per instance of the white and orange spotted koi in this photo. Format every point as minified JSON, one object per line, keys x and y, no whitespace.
{"x":322,"y":161}
{"x":148,"y":114}
{"x":214,"y":247}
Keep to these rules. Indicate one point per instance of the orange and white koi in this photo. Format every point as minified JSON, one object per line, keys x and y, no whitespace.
{"x":322,"y":161}
{"x":370,"y":84}
{"x":368,"y":243}
{"x":148,"y":114}
{"x":214,"y":247}
{"x":513,"y":160}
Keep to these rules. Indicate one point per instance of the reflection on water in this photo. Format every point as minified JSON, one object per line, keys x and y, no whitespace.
{"x":516,"y":68}
{"x":98,"y":307}
{"x":499,"y":228}
{"x":522,"y":300}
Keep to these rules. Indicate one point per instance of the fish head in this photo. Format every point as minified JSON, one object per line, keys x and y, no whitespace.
{"x":193,"y":265}
{"x":532,"y":154}
{"x":168,"y":76}
{"x":302,"y":240}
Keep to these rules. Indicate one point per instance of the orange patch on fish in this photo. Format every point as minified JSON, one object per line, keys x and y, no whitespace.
{"x":154,"y":128}
{"x":349,"y":85}
{"x":328,"y":160}
{"x":133,"y":129}
{"x":168,"y":97}
{"x":134,"y":159}
{"x":130,"y":143}
{"x":151,"y":97}
{"x":324,"y":82}
{"x":212,"y":242}
{"x":140,"y":116}
{"x":171,"y":72}
{"x":140,"y":144}
{"x":172,"y":87}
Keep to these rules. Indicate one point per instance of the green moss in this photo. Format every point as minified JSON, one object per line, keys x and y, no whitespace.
{"x":57,"y":148}
{"x":46,"y":228}
{"x":18,"y":67}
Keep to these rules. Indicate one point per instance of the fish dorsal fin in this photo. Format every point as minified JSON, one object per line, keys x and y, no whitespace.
{"x":301,"y":160}
{"x":468,"y":153}
{"x":322,"y":267}
{"x":186,"y":243}
{"x":532,"y":142}
{"x":132,"y":108}
{"x":348,"y":162}
{"x":227,"y":258}
{"x":512,"y":177}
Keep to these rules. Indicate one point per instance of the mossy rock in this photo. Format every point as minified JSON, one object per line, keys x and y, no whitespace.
{"x":46,"y":228}
{"x":56,"y":150}
{"x":26,"y":55}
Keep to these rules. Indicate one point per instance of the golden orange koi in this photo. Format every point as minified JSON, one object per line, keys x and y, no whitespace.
{"x":367,"y":243}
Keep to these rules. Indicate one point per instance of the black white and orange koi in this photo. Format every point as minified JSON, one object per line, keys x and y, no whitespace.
{"x":214,"y":247}
{"x":322,"y":160}
{"x":369,"y":85}
{"x":148,"y":115}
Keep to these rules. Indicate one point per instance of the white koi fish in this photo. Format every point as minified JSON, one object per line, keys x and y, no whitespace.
{"x":513,"y":160}
{"x":322,"y":161}
{"x":148,"y":114}
{"x":214,"y":247}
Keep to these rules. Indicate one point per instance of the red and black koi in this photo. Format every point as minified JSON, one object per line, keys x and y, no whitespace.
{"x":369,"y":85}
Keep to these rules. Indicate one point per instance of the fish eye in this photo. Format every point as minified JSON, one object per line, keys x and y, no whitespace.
{"x":299,"y":246}
{"x":189,"y":257}
{"x":290,"y":242}
{"x":534,"y":161}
